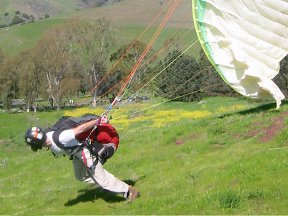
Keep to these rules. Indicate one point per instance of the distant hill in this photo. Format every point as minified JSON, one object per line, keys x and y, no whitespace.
{"x":120,"y":12}
{"x":130,"y":16}
{"x":139,"y":12}
{"x":39,"y":9}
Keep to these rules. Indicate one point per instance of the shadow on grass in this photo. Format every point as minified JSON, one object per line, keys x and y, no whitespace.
{"x":258,"y":109}
{"x":92,"y":194}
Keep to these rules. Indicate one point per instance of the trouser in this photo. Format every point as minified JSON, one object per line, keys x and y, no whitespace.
{"x":82,"y":160}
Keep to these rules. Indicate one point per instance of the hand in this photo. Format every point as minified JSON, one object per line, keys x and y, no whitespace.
{"x":104,"y":119}
{"x":106,"y":152}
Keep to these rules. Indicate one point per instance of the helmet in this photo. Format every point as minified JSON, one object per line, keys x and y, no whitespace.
{"x":35,"y":137}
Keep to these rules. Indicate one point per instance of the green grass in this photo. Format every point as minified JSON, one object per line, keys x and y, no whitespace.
{"x":201,"y":165}
{"x":62,"y":7}
{"x":5,"y":7}
{"x":17,"y":38}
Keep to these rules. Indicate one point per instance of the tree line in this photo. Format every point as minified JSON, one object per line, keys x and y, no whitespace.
{"x":74,"y":57}
{"x":18,"y":18}
{"x":68,"y":59}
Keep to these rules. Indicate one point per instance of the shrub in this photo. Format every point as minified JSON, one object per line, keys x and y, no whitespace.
{"x":16,"y":20}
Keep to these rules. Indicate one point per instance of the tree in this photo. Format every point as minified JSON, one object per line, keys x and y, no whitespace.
{"x":69,"y":57}
{"x":9,"y":81}
{"x":2,"y":88}
{"x":213,"y":84}
{"x":31,"y":82}
{"x":92,"y":43}
{"x":282,"y":78}
{"x":70,"y":86}
{"x":2,"y":56}
{"x":16,"y":20}
{"x":179,"y":81}
{"x":126,"y":57}
{"x":55,"y":60}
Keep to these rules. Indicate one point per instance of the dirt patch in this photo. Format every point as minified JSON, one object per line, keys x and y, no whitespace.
{"x":259,"y":129}
{"x":180,"y":142}
{"x":3,"y":141}
{"x":267,"y":133}
{"x":218,"y":146}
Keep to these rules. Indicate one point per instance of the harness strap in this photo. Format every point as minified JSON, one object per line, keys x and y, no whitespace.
{"x":91,"y":169}
{"x":71,"y":150}
{"x":84,"y":158}
{"x":55,"y":138}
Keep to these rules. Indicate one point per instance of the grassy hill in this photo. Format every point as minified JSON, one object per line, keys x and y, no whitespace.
{"x":17,"y":38}
{"x":220,"y":156}
{"x":38,"y":8}
{"x":131,"y":17}
{"x":138,"y":12}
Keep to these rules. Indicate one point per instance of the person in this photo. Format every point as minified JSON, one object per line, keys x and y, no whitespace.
{"x":89,"y":145}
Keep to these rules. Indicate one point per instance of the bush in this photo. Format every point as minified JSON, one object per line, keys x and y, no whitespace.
{"x":16,"y":20}
{"x":3,"y":25}
{"x":26,"y":16}
{"x":180,"y":80}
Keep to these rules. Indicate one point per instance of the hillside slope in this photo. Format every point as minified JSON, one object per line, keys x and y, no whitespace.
{"x":132,"y":16}
{"x":226,"y":156}
{"x":139,"y":12}
{"x":38,"y":8}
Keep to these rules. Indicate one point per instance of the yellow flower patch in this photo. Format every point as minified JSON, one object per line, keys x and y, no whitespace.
{"x":81,"y":111}
{"x":162,"y":118}
{"x":127,"y":116}
{"x":233,"y":108}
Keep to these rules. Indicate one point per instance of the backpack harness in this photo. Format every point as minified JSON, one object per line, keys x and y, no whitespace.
{"x":68,"y":122}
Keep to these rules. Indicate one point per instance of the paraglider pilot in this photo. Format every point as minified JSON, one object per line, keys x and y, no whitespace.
{"x":89,"y":154}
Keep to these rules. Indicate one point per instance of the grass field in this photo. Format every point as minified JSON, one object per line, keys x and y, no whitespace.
{"x":221,"y":156}
{"x":18,"y":38}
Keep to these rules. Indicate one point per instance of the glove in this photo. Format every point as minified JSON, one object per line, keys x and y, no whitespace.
{"x":106,"y":152}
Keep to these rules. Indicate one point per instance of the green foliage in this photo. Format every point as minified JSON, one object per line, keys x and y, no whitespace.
{"x":68,"y":55}
{"x":180,"y":80}
{"x":31,"y":80}
{"x":91,"y":45}
{"x":213,"y":83}
{"x":187,"y":79}
{"x":282,"y":78}
{"x":16,"y":20}
{"x":125,"y":59}
{"x":9,"y":88}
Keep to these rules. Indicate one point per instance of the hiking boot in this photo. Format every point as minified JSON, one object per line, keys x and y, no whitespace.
{"x":132,"y":194}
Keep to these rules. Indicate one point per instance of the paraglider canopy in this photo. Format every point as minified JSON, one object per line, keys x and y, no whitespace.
{"x":245,"y":41}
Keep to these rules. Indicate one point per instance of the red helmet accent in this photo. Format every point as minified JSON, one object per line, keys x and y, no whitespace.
{"x":35,"y":137}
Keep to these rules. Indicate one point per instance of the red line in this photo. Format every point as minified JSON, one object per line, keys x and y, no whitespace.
{"x":148,"y":47}
{"x":128,"y":49}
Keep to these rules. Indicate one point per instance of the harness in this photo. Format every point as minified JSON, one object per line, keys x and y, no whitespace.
{"x":68,"y":122}
{"x":99,"y":151}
